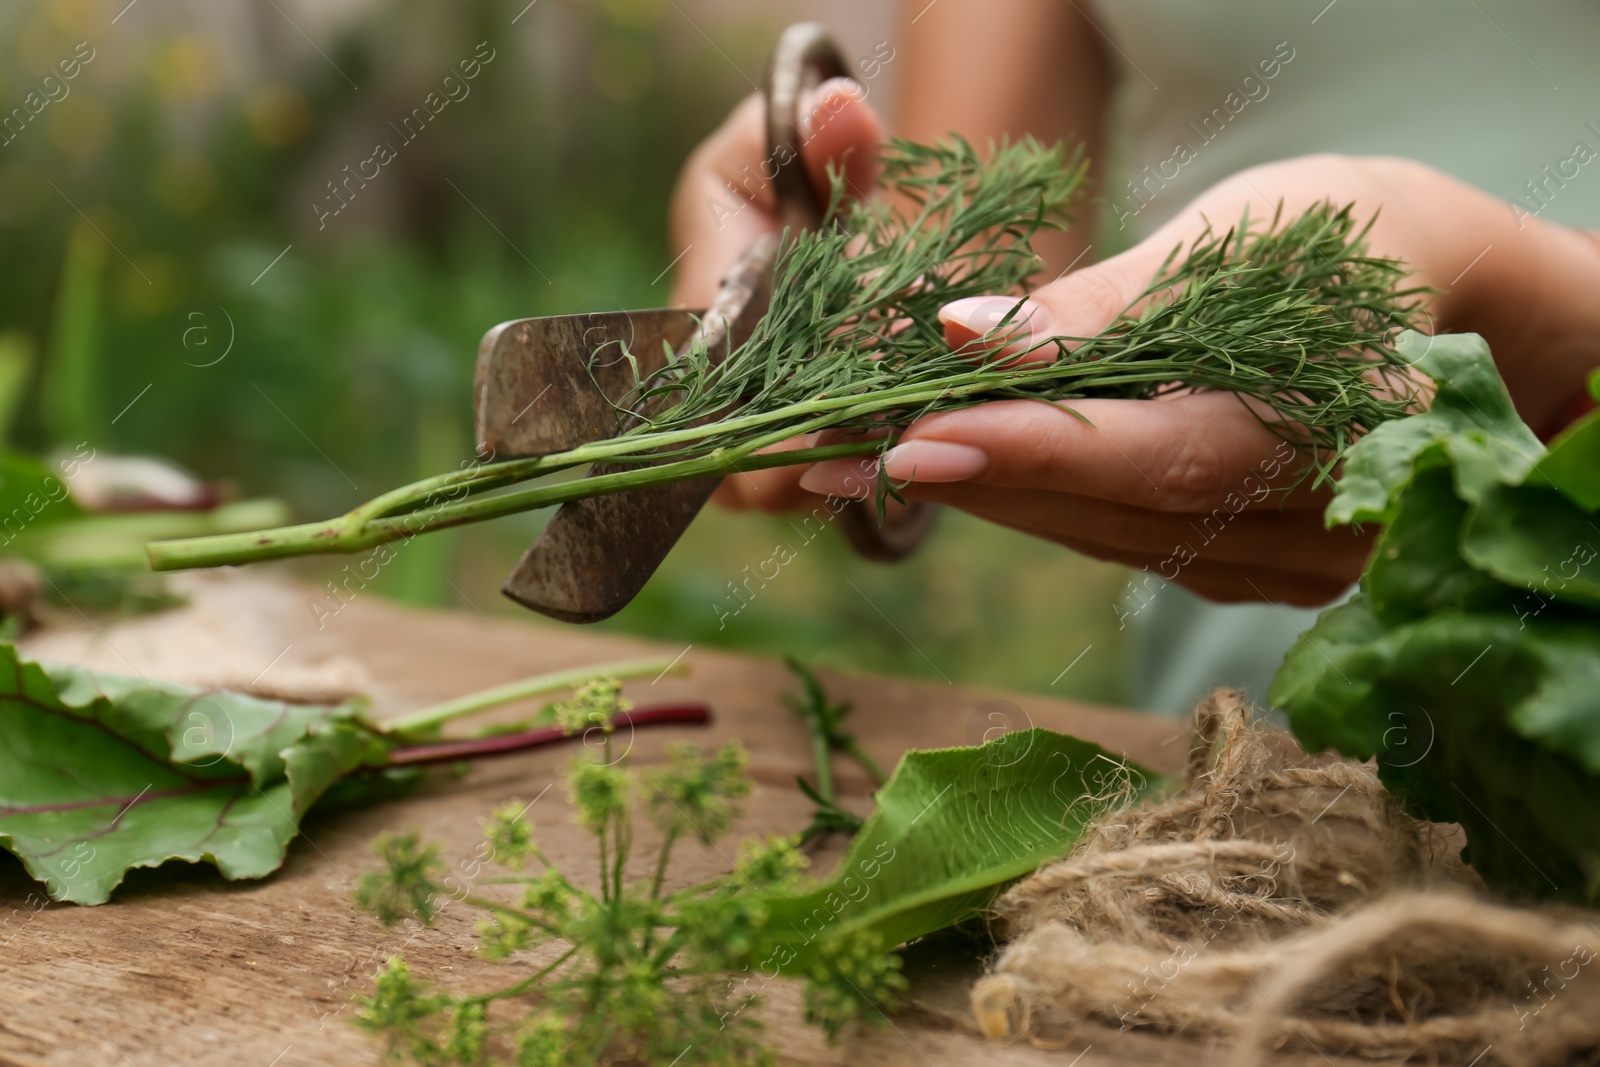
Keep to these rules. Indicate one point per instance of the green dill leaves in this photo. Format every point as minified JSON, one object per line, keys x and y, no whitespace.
{"x":855,"y":303}
{"x":1290,"y":313}
{"x":627,"y":971}
{"x":824,"y":721}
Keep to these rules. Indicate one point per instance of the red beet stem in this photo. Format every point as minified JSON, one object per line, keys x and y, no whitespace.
{"x":506,"y":744}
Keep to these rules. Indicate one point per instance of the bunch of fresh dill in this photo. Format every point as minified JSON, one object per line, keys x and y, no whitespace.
{"x":1292,"y":314}
{"x":635,"y":974}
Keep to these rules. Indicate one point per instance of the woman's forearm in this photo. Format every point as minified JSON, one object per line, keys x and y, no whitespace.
{"x":1532,"y":288}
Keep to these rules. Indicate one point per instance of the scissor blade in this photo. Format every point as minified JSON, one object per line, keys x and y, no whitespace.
{"x":598,"y":552}
{"x":548,"y":384}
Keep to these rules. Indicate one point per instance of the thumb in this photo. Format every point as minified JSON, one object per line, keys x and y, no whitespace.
{"x":838,"y":126}
{"x":1076,"y":305}
{"x":724,"y":198}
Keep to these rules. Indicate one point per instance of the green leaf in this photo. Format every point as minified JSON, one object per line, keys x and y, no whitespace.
{"x":1471,"y":418}
{"x":1417,"y":566}
{"x":1469,"y":663}
{"x":1480,"y":719}
{"x":100,"y":774}
{"x":1538,"y":540}
{"x":1573,"y":462}
{"x":31,"y":496}
{"x":951,"y":827}
{"x":1328,"y":678}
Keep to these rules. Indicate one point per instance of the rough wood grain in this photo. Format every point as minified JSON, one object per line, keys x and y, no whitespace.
{"x":186,"y":968}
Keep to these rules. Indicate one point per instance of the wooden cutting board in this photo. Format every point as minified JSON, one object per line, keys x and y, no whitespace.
{"x":183,"y":967}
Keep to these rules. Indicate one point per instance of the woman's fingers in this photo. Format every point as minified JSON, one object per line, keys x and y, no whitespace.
{"x":1223,"y":582}
{"x":841,"y":128}
{"x":1184,"y":454}
{"x":1080,"y":304}
{"x":724,"y":199}
{"x":1290,"y":540}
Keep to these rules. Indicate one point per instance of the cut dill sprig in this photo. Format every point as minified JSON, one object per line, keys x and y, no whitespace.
{"x":1292,"y":315}
{"x":627,"y":972}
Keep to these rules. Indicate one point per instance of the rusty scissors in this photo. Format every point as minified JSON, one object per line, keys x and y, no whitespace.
{"x":598,"y":552}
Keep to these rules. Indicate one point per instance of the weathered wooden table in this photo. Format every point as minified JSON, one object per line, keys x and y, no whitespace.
{"x":184,"y":967}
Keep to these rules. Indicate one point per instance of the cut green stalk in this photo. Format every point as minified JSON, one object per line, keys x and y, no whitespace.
{"x":366,"y":527}
{"x":1293,"y":315}
{"x":824,"y":720}
{"x":428,"y":720}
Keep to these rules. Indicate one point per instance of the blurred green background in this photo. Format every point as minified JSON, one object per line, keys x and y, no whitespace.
{"x":160,"y":213}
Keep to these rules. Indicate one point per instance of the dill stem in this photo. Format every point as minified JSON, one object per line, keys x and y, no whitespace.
{"x":518,"y":988}
{"x":428,"y":719}
{"x":851,"y":748}
{"x":661,"y":864}
{"x":499,"y":906}
{"x":372,"y":524}
{"x":670,"y":947}
{"x":1296,"y":317}
{"x":353,"y":532}
{"x":624,"y":847}
{"x":822,"y":752}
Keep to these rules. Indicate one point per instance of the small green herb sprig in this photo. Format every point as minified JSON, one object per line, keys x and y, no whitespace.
{"x":627,"y":973}
{"x":1293,"y":314}
{"x":824,"y":720}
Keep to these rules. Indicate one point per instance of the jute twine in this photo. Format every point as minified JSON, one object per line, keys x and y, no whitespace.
{"x":1285,"y":901}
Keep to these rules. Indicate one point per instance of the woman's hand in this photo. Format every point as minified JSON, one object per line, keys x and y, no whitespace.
{"x":724,"y":201}
{"x":1179,"y":485}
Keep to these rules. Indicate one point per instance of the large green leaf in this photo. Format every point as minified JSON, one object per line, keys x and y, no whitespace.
{"x":1469,"y":664}
{"x":100,"y":774}
{"x":952,"y":826}
{"x":1471,"y":418}
{"x":1479,"y":719}
{"x":1328,"y":679}
{"x":1573,"y":462}
{"x":1539,"y":541}
{"x":31,"y":496}
{"x":1417,"y":566}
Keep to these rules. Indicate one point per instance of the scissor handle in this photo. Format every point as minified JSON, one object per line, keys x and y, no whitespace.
{"x":804,"y":58}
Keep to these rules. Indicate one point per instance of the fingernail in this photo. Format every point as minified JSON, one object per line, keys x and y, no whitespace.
{"x":825,"y":101}
{"x":934,"y":461}
{"x":973,"y":317}
{"x":850,"y":478}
